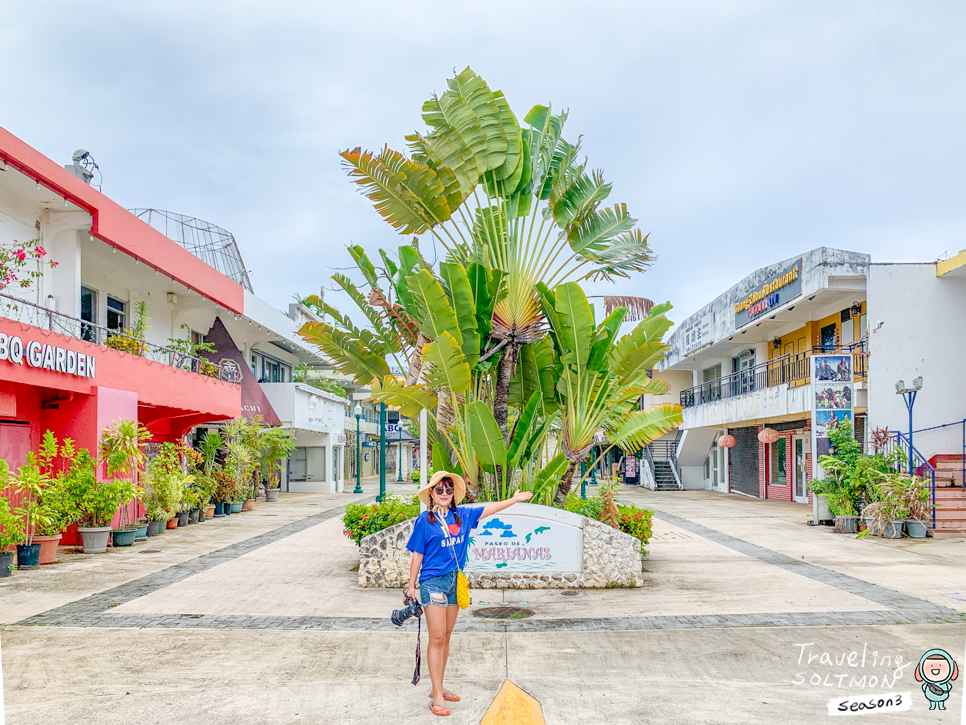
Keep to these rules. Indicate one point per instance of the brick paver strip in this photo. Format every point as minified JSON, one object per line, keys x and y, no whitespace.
{"x":95,"y":610}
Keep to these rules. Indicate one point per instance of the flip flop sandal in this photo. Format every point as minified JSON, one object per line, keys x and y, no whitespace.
{"x":450,"y":696}
{"x":438,"y":709}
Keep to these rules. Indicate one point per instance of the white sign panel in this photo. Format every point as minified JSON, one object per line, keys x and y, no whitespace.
{"x":696,"y":333}
{"x":514,"y":543}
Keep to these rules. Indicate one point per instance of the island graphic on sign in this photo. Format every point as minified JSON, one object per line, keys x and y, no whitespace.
{"x":518,"y":543}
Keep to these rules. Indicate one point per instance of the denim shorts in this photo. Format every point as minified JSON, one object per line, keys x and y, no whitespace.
{"x":443,"y":587}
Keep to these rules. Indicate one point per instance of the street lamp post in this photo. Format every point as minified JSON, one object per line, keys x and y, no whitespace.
{"x":909,"y":396}
{"x":358,"y":411}
{"x":399,"y":479}
{"x":382,"y":452}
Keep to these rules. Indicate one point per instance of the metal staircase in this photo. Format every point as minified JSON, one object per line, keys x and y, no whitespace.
{"x":666,"y":470}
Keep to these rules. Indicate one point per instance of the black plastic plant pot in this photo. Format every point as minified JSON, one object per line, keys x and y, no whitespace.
{"x":183,"y":519}
{"x":28,"y":556}
{"x":219,"y":509}
{"x":194,"y":515}
{"x":226,"y":508}
{"x":6,"y":561}
{"x":155,"y":528}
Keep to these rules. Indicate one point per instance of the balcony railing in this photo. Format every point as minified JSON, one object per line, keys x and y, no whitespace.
{"x":27,"y":313}
{"x":789,"y":369}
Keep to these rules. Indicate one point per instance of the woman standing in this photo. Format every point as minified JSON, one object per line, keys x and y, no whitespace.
{"x":439,"y":543}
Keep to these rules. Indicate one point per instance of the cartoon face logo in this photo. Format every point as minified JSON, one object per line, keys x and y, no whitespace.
{"x":936,"y":671}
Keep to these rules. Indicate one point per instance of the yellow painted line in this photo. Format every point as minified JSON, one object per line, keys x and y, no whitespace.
{"x":948,"y":265}
{"x":513,"y":706}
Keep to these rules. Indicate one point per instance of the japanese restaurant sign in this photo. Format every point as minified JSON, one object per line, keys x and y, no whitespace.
{"x":784,"y":286}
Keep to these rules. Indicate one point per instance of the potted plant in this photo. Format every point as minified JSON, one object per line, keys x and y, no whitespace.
{"x":916,"y":497}
{"x":162,"y":488}
{"x":97,"y":503}
{"x":902,"y":502}
{"x":122,"y":454}
{"x":275,"y":445}
{"x":11,"y":527}
{"x":188,"y":500}
{"x":28,"y":483}
{"x":206,"y":483}
{"x":54,"y":495}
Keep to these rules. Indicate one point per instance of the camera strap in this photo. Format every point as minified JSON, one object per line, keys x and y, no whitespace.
{"x":419,"y":631}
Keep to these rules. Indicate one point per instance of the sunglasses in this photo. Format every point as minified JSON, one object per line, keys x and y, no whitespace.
{"x":441,"y":490}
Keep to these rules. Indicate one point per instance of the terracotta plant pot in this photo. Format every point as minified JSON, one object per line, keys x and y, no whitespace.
{"x":172,"y":523}
{"x":95,"y":539}
{"x":48,"y":548}
{"x":271,"y":494}
{"x":6,"y":561}
{"x":210,"y":511}
{"x":249,"y":505}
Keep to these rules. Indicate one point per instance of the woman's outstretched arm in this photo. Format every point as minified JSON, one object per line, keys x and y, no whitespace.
{"x":497,"y":506}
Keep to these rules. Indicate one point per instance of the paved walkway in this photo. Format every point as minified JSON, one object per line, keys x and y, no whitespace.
{"x":256,"y":618}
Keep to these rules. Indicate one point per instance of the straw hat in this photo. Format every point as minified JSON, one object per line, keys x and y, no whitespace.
{"x":459,"y":487}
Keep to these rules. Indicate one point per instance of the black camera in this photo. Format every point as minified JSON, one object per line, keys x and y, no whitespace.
{"x":412,"y":609}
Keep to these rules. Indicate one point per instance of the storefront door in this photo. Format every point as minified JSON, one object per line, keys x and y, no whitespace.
{"x":800,"y":467}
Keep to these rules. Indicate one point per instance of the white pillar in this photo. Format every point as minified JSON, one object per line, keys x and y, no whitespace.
{"x":423,"y":458}
{"x":330,"y":484}
{"x":340,"y":469}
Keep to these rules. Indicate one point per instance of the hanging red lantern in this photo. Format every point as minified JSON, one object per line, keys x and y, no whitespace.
{"x":769,"y":435}
{"x":726,"y":441}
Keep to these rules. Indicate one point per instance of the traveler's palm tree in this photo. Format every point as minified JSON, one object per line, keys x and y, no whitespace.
{"x":602,"y":378}
{"x":516,"y":200}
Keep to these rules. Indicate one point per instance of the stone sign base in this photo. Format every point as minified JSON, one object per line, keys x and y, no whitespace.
{"x":608,"y":556}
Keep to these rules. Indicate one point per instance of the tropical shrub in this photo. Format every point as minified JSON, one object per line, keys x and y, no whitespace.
{"x":121,"y":451}
{"x":164,"y":483}
{"x":132,"y":340}
{"x":633,"y":520}
{"x":360,"y":520}
{"x":11,"y":523}
{"x":851,"y":476}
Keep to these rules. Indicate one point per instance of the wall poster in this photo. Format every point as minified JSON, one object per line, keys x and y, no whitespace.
{"x":833,"y":394}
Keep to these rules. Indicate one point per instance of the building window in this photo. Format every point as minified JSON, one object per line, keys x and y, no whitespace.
{"x":88,"y":314}
{"x":116,"y":314}
{"x":269,"y":370}
{"x":776,"y":460}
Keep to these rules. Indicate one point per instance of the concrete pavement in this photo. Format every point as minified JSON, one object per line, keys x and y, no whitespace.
{"x":256,"y":619}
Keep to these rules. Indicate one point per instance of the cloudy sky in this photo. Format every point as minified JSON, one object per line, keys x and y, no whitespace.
{"x":739,"y":133}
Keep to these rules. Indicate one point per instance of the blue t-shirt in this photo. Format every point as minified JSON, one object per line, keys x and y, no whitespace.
{"x":442,"y":552}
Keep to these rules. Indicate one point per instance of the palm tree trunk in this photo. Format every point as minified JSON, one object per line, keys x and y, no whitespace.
{"x":501,"y":395}
{"x":501,"y":399}
{"x":563,"y":488}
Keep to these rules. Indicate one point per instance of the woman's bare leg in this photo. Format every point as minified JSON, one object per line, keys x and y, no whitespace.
{"x":451,"y":614}
{"x":436,"y":622}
